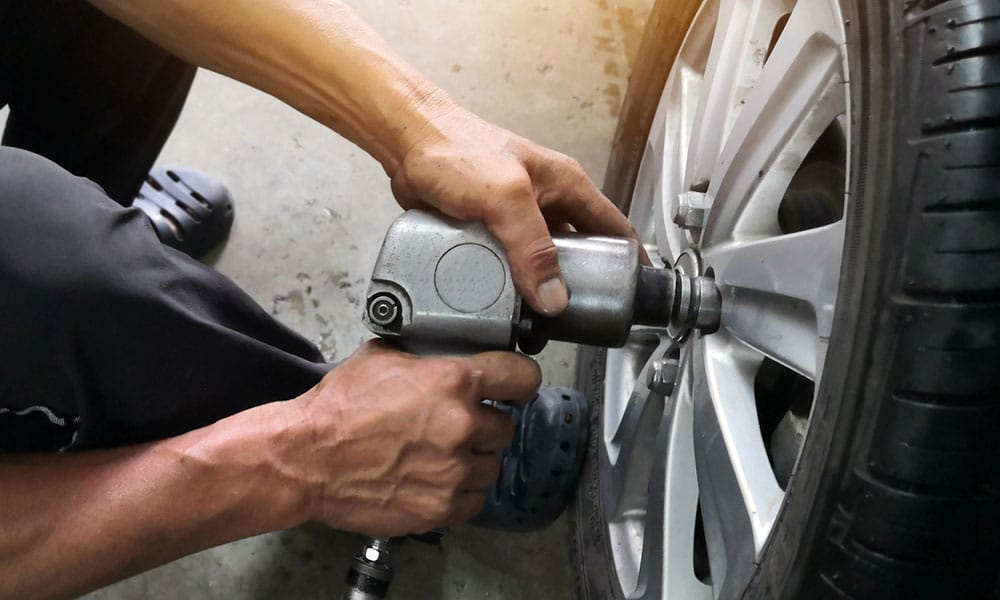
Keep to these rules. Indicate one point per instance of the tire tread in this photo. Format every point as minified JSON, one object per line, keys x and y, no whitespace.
{"x":919,"y":513}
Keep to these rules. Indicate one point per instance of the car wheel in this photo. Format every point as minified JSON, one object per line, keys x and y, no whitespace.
{"x":833,"y":165}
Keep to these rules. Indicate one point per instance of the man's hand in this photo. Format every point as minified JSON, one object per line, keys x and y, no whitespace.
{"x":399,"y":444}
{"x":472,"y":170}
{"x":386,"y":444}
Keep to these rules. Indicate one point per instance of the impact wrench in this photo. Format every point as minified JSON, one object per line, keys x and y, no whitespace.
{"x":442,"y":286}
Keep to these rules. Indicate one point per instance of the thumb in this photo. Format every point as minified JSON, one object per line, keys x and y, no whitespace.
{"x":533,"y":257}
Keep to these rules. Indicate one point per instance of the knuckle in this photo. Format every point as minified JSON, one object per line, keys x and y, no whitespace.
{"x":459,"y":473}
{"x":517,"y":185}
{"x":462,"y":426}
{"x":573,"y":166}
{"x":596,"y":209}
{"x":542,"y":255}
{"x":454,"y":374}
{"x":441,"y":509}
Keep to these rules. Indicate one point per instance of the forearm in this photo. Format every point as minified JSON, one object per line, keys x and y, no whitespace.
{"x":74,"y":522}
{"x":316,"y":55}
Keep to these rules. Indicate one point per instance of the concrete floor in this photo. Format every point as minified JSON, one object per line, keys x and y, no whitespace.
{"x":311,"y":212}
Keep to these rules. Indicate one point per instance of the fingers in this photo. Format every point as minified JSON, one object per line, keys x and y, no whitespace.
{"x":590,"y":211}
{"x":505,"y":376}
{"x":574,"y":197}
{"x":485,"y":468}
{"x":455,"y":505}
{"x":598,"y":215}
{"x":494,"y":430}
{"x":469,"y":502}
{"x":516,"y":220}
{"x":568,"y":194}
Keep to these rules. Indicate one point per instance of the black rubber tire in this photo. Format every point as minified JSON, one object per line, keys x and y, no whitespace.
{"x":897,"y":493}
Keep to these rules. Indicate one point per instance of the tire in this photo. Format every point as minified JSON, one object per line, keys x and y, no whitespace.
{"x":895,"y":491}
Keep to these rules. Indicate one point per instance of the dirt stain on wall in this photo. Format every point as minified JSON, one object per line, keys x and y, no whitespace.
{"x":625,"y":24}
{"x":613,"y":94}
{"x":632,"y":22}
{"x":604,"y":43}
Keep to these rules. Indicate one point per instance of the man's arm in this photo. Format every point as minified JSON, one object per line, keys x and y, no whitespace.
{"x":74,"y":522}
{"x":316,"y":55}
{"x":386,"y":444}
{"x":321,"y":58}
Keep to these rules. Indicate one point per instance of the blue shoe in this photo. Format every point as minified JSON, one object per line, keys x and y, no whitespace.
{"x":189,"y":210}
{"x":541,"y":467}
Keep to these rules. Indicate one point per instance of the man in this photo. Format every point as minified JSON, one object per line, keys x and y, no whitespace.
{"x":189,"y":417}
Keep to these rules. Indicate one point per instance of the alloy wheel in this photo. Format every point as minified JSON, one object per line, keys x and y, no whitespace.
{"x":744,"y":180}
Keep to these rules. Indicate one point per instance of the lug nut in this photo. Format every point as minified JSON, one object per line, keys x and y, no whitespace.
{"x":663,"y":376}
{"x":689,"y":212}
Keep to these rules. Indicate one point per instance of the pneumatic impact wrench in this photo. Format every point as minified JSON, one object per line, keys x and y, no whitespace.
{"x":442,"y":286}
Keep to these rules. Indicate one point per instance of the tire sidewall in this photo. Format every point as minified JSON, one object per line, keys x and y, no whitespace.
{"x":595,"y":576}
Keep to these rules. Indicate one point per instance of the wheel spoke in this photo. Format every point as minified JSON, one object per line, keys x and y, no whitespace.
{"x":779,"y":293}
{"x":668,"y":547}
{"x":649,"y":179}
{"x":646,"y":211}
{"x":624,"y":384}
{"x":734,"y":61}
{"x":619,"y":382}
{"x":662,"y":168}
{"x":628,"y":437}
{"x":734,"y":474}
{"x":798,"y":94}
{"x":717,"y":88}
{"x":630,"y":473}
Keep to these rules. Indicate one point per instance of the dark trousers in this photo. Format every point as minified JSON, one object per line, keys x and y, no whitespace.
{"x":108,"y":337}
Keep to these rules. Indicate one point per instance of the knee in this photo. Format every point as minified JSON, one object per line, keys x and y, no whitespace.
{"x":47,"y":221}
{"x":29,"y":178}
